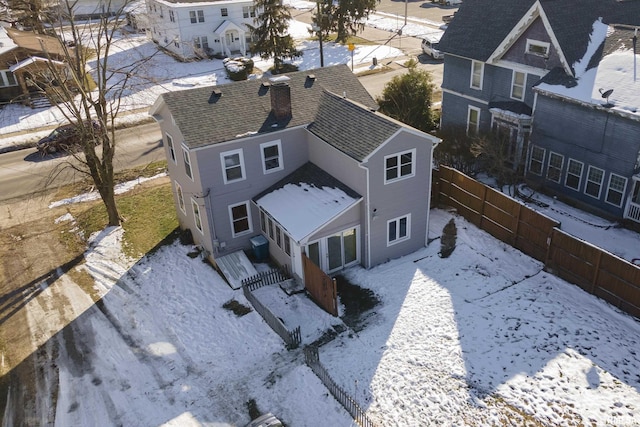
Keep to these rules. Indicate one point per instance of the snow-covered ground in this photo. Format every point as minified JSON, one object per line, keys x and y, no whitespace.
{"x":484,"y":337}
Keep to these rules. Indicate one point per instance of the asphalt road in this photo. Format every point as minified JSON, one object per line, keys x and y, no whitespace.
{"x":26,"y":172}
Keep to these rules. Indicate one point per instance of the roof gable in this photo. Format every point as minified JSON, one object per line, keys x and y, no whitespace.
{"x":351,"y":128}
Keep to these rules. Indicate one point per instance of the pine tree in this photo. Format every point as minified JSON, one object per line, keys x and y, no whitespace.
{"x":270,"y":33}
{"x":344,"y":17}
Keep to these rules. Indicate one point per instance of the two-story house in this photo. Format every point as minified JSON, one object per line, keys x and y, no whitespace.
{"x":302,"y":159}
{"x":535,"y":72}
{"x":192,"y":29}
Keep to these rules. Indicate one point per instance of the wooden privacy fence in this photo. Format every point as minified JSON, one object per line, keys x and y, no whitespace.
{"x":312,"y":359}
{"x":291,"y":338}
{"x":322,"y":288}
{"x":265,"y":278}
{"x":593,"y":269}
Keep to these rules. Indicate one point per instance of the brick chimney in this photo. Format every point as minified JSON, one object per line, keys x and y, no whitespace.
{"x":280,"y":97}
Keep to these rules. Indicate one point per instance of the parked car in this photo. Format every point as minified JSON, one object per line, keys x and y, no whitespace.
{"x":447,"y":2}
{"x":430,"y":46}
{"x":63,"y":138}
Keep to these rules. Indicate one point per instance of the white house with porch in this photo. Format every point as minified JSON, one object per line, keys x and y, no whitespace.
{"x":197,"y":29}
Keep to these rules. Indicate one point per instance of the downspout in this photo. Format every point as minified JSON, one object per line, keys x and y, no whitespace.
{"x":433,"y":147}
{"x":368,"y":214}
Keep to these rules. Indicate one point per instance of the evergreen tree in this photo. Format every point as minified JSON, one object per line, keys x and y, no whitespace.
{"x":344,"y":17}
{"x":407,"y":98}
{"x":270,"y":33}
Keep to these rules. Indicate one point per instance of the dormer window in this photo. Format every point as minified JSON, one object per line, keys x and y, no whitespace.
{"x":538,"y":48}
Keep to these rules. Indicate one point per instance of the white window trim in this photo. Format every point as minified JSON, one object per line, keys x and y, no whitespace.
{"x":197,"y":218}
{"x":172,"y":148}
{"x":187,"y":161}
{"x":399,"y":156}
{"x":224,"y":167}
{"x":264,"y":160}
{"x":397,"y":220}
{"x":477,"y":129}
{"x":588,"y":181}
{"x":568,"y":173}
{"x":473,"y":64}
{"x":180,"y":195}
{"x":551,"y":154}
{"x":250,"y":229}
{"x":531,"y":42}
{"x":544,"y":157}
{"x":524,"y":84}
{"x":624,"y":190}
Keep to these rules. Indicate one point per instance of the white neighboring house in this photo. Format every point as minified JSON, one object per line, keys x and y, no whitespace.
{"x":193,"y":29}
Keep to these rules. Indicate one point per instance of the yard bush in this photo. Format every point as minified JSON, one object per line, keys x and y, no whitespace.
{"x":238,"y":68}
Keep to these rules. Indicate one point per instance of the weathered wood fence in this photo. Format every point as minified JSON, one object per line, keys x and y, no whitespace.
{"x":265,"y":278}
{"x":292,"y":338}
{"x":312,"y":359}
{"x":593,"y":269}
{"x":321,"y":287}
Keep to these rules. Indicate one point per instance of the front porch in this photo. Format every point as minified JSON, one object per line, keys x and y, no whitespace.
{"x":632,"y":210}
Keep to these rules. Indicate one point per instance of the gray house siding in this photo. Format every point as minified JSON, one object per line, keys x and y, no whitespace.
{"x":393,"y":200}
{"x":537,"y":32}
{"x":597,"y":138}
{"x":207,"y":165}
{"x":455,"y":111}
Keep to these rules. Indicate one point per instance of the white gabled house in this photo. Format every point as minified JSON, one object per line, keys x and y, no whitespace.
{"x":192,"y":29}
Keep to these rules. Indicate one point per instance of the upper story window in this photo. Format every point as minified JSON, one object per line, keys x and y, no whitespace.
{"x":172,"y":16}
{"x":399,"y":166}
{"x":473,"y":121}
{"x":271,"y":156}
{"x":196,"y":16}
{"x":232,"y":166}
{"x":538,"y":48}
{"x":517,"y":85}
{"x":477,"y":74}
{"x":187,"y":163}
{"x":172,"y":151}
{"x":248,"y":12}
{"x":224,"y":11}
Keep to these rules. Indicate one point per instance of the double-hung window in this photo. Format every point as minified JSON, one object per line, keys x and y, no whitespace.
{"x":248,"y":12}
{"x":473,"y":121}
{"x":196,"y":214}
{"x":180,"y":197}
{"x":594,"y":182}
{"x":240,"y":216}
{"x":271,"y":156}
{"x":201,"y":42}
{"x":232,"y":166}
{"x":172,"y":152}
{"x":7,"y":79}
{"x":187,"y":163}
{"x":554,"y":168}
{"x":574,"y":174}
{"x":537,"y":160}
{"x":398,"y":230}
{"x":172,"y":16}
{"x":617,"y":187}
{"x":224,"y":11}
{"x":517,"y":85}
{"x":477,"y":73}
{"x":196,"y":16}
{"x":399,"y":166}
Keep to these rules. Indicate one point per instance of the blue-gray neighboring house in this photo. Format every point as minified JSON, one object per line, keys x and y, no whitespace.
{"x":560,"y":81}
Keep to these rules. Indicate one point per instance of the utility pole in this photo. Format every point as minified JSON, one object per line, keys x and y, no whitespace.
{"x":320,"y":22}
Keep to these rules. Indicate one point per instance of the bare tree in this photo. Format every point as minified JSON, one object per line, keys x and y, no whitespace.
{"x":89,"y":96}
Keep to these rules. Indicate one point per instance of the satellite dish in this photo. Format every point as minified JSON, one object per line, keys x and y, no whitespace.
{"x":606,"y":94}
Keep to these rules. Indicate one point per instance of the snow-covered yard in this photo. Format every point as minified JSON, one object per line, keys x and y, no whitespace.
{"x":483,"y":337}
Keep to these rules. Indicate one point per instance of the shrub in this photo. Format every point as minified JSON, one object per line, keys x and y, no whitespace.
{"x":238,"y":68}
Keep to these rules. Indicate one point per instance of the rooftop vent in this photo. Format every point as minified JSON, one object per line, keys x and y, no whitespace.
{"x":311,"y":76}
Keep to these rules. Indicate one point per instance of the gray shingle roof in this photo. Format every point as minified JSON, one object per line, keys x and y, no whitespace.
{"x":481,"y":25}
{"x":351,"y":128}
{"x":243,"y":108}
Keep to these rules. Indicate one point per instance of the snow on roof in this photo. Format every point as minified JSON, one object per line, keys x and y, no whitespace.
{"x":6,"y":44}
{"x":618,"y":70}
{"x":301,"y":208}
